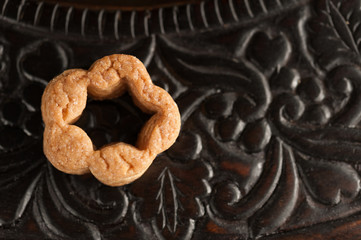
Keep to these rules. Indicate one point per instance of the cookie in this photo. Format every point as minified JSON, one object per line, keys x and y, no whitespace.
{"x":71,"y":150}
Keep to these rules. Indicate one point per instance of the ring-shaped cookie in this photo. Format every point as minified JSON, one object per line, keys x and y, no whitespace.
{"x":71,"y":150}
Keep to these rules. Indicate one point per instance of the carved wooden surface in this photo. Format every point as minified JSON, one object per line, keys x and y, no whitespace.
{"x":270,"y":98}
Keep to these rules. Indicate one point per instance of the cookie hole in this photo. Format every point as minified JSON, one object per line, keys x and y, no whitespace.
{"x":111,"y":121}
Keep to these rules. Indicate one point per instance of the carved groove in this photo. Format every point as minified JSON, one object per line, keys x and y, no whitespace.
{"x":162,"y":11}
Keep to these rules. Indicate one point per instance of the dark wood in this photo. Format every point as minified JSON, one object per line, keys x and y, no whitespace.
{"x":120,"y":4}
{"x":270,"y":98}
{"x":344,"y":229}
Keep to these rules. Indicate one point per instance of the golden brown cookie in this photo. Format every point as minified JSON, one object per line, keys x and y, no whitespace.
{"x":70,"y":149}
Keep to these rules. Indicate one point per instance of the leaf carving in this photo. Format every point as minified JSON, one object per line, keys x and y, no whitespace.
{"x":345,"y":182}
{"x":268,"y":52}
{"x":245,"y":207}
{"x":337,"y":24}
{"x":87,"y":199}
{"x":5,"y":218}
{"x":20,"y":173}
{"x":336,"y":143}
{"x":54,"y":221}
{"x":281,"y":205}
{"x":341,"y":27}
{"x":171,"y":203}
{"x":168,"y":220}
{"x":199,"y":69}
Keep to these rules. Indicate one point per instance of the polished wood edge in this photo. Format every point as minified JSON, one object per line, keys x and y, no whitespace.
{"x":349,"y":228}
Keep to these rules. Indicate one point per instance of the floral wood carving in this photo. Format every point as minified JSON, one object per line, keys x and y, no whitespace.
{"x":269,"y":93}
